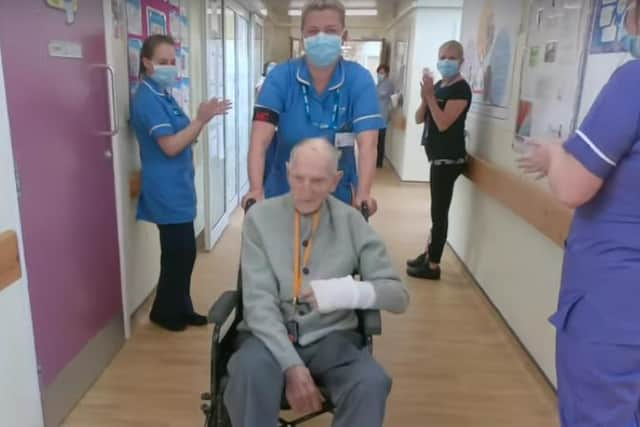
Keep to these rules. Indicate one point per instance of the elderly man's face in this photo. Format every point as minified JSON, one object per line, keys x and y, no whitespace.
{"x":311,"y":179}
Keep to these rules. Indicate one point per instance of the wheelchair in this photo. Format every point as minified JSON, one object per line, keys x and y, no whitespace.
{"x":223,"y":345}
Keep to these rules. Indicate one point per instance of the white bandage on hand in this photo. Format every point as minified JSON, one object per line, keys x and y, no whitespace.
{"x":343,"y":294}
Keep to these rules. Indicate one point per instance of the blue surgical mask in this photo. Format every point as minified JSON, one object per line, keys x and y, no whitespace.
{"x":165,"y":75}
{"x":381,"y":77}
{"x":323,"y":50}
{"x":449,"y":67}
{"x":631,"y":44}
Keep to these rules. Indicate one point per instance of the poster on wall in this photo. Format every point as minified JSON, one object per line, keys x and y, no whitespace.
{"x":400,"y":59}
{"x":609,"y":25}
{"x":610,"y":48}
{"x":184,"y":27}
{"x":490,"y":36}
{"x":156,"y":22}
{"x":148,"y":17}
{"x":134,"y":17}
{"x":556,"y":45}
{"x":135,"y":46}
{"x":176,"y":25}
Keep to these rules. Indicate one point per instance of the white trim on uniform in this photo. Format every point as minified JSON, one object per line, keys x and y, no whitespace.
{"x":340,"y":65}
{"x":595,"y":149}
{"x":371,"y":116}
{"x":300,"y":79}
{"x":341,"y":82}
{"x":152,"y":89}
{"x":161,"y":125}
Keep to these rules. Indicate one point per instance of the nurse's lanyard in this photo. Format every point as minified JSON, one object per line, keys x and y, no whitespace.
{"x":336,"y":105}
{"x":308,"y":248}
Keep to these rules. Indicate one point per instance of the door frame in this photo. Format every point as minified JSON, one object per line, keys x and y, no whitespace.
{"x":240,"y":11}
{"x":117,"y":141}
{"x":213,"y":232}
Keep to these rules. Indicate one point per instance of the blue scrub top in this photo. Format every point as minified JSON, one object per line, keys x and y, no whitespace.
{"x":600,"y":293}
{"x":168,"y":194}
{"x":351,"y":90}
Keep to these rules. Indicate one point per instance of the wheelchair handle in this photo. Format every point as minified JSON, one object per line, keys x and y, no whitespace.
{"x":248,"y":204}
{"x":364,"y":209}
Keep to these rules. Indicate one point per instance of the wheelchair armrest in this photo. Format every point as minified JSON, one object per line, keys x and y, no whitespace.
{"x":223,"y":307}
{"x":370,"y":322}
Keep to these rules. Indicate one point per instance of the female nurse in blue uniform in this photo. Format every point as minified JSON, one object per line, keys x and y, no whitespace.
{"x":318,"y":95}
{"x":597,"y":171}
{"x":168,"y":197}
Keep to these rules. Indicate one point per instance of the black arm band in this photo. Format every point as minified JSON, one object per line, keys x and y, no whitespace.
{"x":262,"y":114}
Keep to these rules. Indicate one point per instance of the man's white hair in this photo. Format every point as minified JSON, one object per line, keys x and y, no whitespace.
{"x":319,"y":146}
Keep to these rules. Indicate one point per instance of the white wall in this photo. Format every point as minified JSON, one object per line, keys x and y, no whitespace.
{"x":426,"y":28}
{"x":517,"y":267}
{"x":277,"y":44}
{"x":19,"y":391}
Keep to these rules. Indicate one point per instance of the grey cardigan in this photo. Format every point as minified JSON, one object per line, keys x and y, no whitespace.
{"x":344,"y":242}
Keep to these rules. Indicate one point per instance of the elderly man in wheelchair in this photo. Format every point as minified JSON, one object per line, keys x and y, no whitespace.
{"x":302,"y":309}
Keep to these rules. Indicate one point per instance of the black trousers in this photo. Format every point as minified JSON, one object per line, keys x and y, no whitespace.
{"x":443,"y":179}
{"x":382,"y":133}
{"x":173,"y":296}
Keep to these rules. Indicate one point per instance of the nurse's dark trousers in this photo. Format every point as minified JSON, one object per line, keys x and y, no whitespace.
{"x":442,"y":181}
{"x":173,"y":297}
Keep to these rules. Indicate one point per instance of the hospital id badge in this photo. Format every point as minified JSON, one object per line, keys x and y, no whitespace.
{"x":345,"y":139}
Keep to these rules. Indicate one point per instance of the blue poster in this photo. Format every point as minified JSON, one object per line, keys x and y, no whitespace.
{"x":609,"y":25}
{"x":135,"y":46}
{"x":156,"y":21}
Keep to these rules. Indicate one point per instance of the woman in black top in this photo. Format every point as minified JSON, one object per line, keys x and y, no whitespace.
{"x":443,"y":111}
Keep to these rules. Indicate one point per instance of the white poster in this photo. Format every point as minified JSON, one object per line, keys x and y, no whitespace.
{"x":134,"y":17}
{"x":557,"y":38}
{"x":175,"y":25}
{"x":490,"y":31}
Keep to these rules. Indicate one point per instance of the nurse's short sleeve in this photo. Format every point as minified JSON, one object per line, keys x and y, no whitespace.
{"x":366,"y":107}
{"x":461,"y":91}
{"x":272,"y":95}
{"x":153,"y":117}
{"x":611,"y":127}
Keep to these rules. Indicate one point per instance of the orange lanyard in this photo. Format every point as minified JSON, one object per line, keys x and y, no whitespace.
{"x":297,"y":271}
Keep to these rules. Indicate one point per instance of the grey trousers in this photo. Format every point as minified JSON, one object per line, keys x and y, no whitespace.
{"x":357,"y":385}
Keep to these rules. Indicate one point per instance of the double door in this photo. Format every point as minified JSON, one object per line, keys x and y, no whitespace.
{"x":230,"y":72}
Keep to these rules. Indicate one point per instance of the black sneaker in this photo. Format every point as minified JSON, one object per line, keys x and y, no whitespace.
{"x":424,"y":271}
{"x":195,"y":319}
{"x":417,"y":261}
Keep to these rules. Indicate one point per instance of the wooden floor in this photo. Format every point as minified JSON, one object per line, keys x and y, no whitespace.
{"x":453,"y":361}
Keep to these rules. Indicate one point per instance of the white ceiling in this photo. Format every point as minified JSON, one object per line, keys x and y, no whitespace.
{"x":280,"y":7}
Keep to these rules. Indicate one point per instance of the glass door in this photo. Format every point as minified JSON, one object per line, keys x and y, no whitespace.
{"x":258,"y":50}
{"x":215,"y":200}
{"x":231,"y":119}
{"x":244,"y":99}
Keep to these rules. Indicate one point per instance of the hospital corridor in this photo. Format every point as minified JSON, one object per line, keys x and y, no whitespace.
{"x":346,"y":213}
{"x":453,"y":360}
